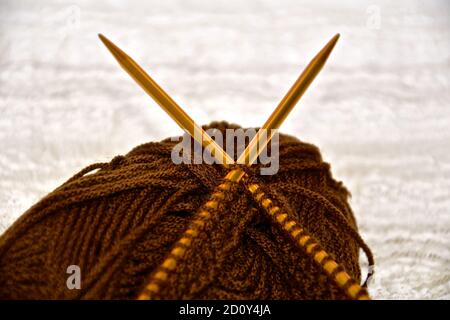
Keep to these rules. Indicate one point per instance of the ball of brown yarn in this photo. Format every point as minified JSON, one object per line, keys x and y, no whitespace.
{"x":118,"y":224}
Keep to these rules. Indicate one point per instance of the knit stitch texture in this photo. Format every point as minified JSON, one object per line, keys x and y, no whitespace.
{"x":118,"y":220}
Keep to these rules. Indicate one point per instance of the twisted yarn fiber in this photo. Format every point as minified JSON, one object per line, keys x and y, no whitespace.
{"x":120,"y":222}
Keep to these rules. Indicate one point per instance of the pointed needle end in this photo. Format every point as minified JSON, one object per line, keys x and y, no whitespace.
{"x":105,"y":40}
{"x":333,"y":40}
{"x":325,"y":52}
{"x":319,"y":60}
{"x":115,"y":50}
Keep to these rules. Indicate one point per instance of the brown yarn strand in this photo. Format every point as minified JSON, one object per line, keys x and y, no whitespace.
{"x":120,"y":223}
{"x":284,"y":220}
{"x":309,"y":244}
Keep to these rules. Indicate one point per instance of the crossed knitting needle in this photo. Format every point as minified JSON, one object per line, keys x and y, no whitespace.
{"x":237,"y":174}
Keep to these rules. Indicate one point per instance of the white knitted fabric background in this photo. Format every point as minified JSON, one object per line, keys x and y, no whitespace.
{"x":379,"y":111}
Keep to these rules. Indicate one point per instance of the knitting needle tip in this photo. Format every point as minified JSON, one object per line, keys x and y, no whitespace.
{"x":104,"y":39}
{"x":325,"y":52}
{"x":115,"y":50}
{"x":288,"y":102}
{"x":300,"y":86}
{"x":165,"y":101}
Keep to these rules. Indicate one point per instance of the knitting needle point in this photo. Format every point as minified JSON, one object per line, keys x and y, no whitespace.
{"x":286,"y":105}
{"x":166,"y":102}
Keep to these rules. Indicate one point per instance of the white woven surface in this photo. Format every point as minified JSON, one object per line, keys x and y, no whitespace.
{"x":379,"y":111}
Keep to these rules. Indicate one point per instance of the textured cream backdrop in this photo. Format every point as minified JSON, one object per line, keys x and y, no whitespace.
{"x":379,"y":111}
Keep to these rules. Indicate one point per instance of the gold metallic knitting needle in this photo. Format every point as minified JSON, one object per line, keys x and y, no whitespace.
{"x":260,"y":140}
{"x":289,"y":101}
{"x":184,"y":121}
{"x":252,"y":151}
{"x":166,"y":102}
